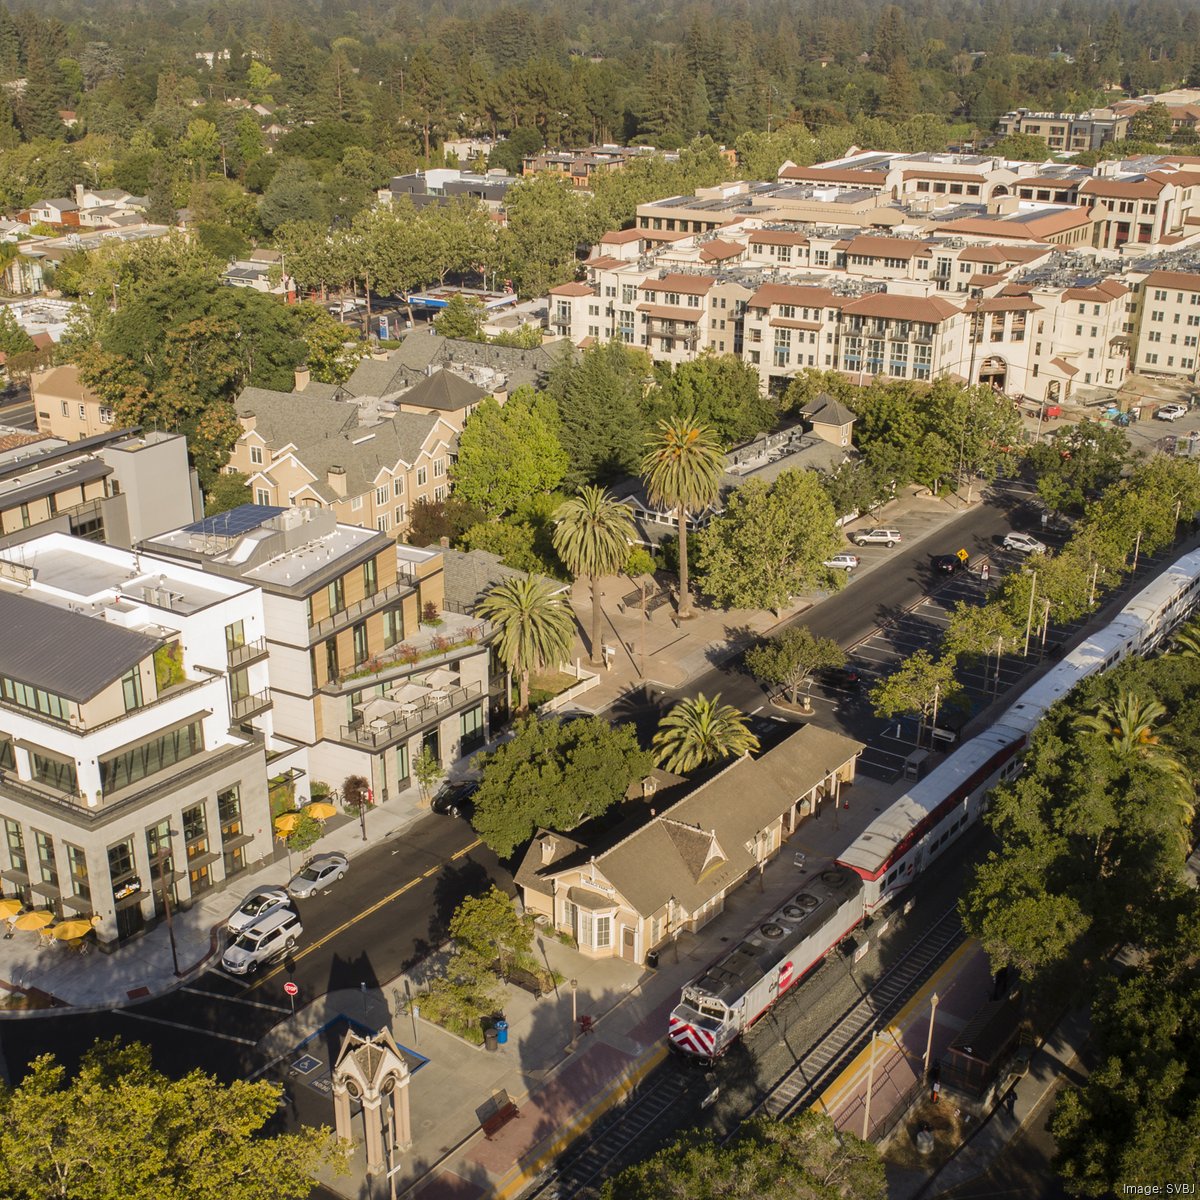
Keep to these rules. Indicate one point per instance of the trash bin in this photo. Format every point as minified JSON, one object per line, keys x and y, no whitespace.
{"x":490,"y":1038}
{"x":652,"y":959}
{"x":502,"y":1032}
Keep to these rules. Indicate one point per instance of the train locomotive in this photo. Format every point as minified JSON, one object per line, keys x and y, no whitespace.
{"x":717,"y":1007}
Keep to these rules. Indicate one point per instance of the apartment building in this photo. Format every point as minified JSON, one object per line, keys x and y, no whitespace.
{"x":308,"y":449}
{"x":367,"y":665}
{"x":1168,"y":324}
{"x":133,"y":727}
{"x":1068,"y":132}
{"x":116,"y":487}
{"x":66,"y":407}
{"x":681,"y":316}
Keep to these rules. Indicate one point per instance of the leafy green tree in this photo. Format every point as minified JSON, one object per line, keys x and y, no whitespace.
{"x":39,"y":102}
{"x":1076,"y":463}
{"x":1137,"y":1116}
{"x":294,"y":194}
{"x":802,"y":1158}
{"x":599,"y":399}
{"x":428,"y":770}
{"x":120,"y":1128}
{"x":228,"y":490}
{"x":306,"y":834}
{"x":554,"y":774}
{"x":431,"y":520}
{"x":1151,"y":124}
{"x":920,"y":686}
{"x":535,"y":626}
{"x":461,"y":318}
{"x":770,"y":542}
{"x":791,"y":657}
{"x":546,"y":225}
{"x":976,"y":631}
{"x":717,"y":390}
{"x":699,"y":730}
{"x":592,"y":535}
{"x":490,"y":928}
{"x":13,"y":339}
{"x":682,"y":472}
{"x":329,"y":354}
{"x":1021,"y":147}
{"x":507,"y":456}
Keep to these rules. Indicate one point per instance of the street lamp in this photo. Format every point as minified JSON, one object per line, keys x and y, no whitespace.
{"x":160,"y":860}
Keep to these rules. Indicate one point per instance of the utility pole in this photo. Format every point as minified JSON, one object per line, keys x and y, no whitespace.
{"x":1029,"y":619}
{"x":642,"y":632}
{"x":1137,"y":547}
{"x":866,"y":1130}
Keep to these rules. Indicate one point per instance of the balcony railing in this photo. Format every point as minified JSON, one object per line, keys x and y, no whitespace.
{"x":360,"y":608}
{"x":380,"y":734}
{"x":248,"y":652}
{"x":245,"y":707}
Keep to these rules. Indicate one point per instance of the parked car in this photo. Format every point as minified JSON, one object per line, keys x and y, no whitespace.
{"x":876,"y":537}
{"x":846,"y":679}
{"x":268,"y":939}
{"x":454,"y":799}
{"x":843,"y":562}
{"x":949,"y":564}
{"x":317,"y":873}
{"x":1024,"y":543}
{"x":1171,"y":412}
{"x":345,"y":307}
{"x":259,"y":904}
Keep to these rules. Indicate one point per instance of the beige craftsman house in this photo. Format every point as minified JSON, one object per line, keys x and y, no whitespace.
{"x":307,"y":448}
{"x":638,"y":888}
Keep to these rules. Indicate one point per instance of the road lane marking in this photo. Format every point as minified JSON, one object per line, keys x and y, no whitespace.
{"x":195,"y":991}
{"x":366,"y":912}
{"x":225,"y":1037}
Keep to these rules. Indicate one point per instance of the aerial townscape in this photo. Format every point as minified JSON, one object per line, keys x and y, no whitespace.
{"x":599,"y":602}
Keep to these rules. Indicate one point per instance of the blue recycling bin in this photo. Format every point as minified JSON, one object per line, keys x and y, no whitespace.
{"x":502,"y":1032}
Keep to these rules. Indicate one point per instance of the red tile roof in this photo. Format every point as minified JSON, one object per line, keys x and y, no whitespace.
{"x":690,"y":285}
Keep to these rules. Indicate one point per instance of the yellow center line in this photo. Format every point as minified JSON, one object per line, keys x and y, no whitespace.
{"x":366,"y":912}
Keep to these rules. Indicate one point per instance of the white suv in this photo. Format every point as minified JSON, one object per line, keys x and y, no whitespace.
{"x":876,"y":537}
{"x":271,"y":938}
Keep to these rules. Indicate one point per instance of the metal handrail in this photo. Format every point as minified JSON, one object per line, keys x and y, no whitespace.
{"x":246,"y":652}
{"x":360,"y":608}
{"x":398,"y":728}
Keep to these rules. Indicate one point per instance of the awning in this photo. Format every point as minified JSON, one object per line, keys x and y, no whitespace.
{"x":15,"y":876}
{"x":132,"y":899}
{"x":592,"y":901}
{"x":202,"y":860}
{"x":49,"y":890}
{"x":234,"y":842}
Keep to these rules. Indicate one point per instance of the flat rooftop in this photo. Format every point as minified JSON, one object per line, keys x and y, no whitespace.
{"x":68,"y":570}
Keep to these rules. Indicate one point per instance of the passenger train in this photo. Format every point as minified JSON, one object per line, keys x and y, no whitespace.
{"x":735,"y":991}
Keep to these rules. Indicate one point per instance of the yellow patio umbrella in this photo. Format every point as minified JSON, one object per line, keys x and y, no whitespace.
{"x":38,"y":919}
{"x":285,"y":823}
{"x":9,"y":907}
{"x":67,"y":931}
{"x":320,"y":811}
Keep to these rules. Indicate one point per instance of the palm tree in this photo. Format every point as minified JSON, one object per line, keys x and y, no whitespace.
{"x":699,"y":730}
{"x":535,"y":624}
{"x":1187,"y":640}
{"x":682,"y":471}
{"x":1129,"y":725}
{"x":592,"y":532}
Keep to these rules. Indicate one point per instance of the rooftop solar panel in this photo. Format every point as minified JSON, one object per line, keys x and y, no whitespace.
{"x":236,"y":521}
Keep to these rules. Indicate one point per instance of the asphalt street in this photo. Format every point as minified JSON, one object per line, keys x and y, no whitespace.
{"x":387,"y":914}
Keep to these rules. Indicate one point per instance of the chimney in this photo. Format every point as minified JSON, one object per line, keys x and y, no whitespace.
{"x":79,"y":194}
{"x":336,"y":477}
{"x":649,"y":787}
{"x":248,"y":422}
{"x":302,"y":379}
{"x":549,"y":846}
{"x":444,"y":542}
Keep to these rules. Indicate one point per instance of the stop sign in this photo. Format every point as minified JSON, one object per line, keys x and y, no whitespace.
{"x":290,"y":988}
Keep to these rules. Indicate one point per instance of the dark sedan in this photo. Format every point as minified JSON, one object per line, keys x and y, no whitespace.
{"x":949,"y":564}
{"x":455,"y":799}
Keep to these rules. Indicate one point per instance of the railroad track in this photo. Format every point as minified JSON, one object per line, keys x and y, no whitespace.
{"x":830,"y":1052}
{"x":629,"y":1132}
{"x":623,"y":1135}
